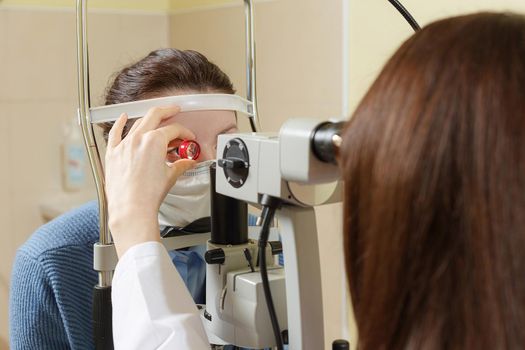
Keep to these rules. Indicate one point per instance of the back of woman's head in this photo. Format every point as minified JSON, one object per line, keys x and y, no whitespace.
{"x":166,"y":72}
{"x":434,"y":168}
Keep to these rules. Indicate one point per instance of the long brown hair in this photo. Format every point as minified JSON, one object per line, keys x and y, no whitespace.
{"x":161,"y":72}
{"x":434,"y":168}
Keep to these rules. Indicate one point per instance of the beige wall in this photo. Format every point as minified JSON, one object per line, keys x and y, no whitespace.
{"x":299,"y":72}
{"x":38,"y":94}
{"x":376,"y":30}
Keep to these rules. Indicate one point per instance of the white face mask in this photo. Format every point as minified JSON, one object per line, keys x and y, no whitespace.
{"x":189,"y":199}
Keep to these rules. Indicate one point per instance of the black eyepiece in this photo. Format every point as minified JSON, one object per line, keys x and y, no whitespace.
{"x":326,"y":140}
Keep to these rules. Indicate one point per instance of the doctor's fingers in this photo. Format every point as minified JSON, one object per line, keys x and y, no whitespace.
{"x":135,"y":125}
{"x":155,"y":116}
{"x":178,"y":168}
{"x":115,"y":134}
{"x":174,"y":131}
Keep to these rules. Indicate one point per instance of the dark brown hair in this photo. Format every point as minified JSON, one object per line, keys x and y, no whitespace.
{"x":162,"y":72}
{"x":434,"y":168}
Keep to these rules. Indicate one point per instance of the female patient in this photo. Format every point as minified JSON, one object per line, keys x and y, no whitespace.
{"x":434,"y":168}
{"x":53,"y":277}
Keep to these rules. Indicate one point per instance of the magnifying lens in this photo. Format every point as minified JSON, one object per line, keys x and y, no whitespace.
{"x":187,"y":149}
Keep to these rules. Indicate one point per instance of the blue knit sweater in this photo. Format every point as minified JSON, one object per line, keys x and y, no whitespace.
{"x":53,"y":278}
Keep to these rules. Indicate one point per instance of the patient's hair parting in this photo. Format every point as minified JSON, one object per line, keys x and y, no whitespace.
{"x":434,"y":169}
{"x":163,"y":72}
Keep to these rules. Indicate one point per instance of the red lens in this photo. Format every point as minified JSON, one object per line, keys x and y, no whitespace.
{"x":189,"y":149}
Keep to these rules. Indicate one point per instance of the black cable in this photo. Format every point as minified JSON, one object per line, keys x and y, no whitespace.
{"x":404,"y":12}
{"x":267,"y":215}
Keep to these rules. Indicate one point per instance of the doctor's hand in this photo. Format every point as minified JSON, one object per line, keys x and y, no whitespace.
{"x":138,"y":177}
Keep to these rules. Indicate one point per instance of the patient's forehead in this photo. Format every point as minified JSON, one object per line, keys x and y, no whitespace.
{"x":215,"y":117}
{"x":205,"y":120}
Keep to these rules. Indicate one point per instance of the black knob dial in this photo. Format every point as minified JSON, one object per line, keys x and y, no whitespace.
{"x":235,"y":162}
{"x":215,"y":256}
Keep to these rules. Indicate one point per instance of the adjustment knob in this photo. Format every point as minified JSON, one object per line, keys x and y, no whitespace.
{"x":232,"y":163}
{"x":235,"y":162}
{"x":215,"y":256}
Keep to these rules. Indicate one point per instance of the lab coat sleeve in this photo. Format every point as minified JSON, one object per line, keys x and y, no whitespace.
{"x":152,"y":308}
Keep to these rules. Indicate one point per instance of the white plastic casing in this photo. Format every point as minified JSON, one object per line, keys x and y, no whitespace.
{"x":264,"y":175}
{"x":235,"y":305}
{"x":247,"y":306}
{"x":274,"y":160}
{"x":297,"y":160}
{"x":187,"y":103}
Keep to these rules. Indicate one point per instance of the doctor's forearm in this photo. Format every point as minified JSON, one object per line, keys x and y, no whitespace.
{"x":132,"y":226}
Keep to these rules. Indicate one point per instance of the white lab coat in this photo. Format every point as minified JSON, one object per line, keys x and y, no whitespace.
{"x":152,"y":308}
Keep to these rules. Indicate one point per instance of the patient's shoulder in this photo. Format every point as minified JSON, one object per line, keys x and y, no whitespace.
{"x":78,"y":227}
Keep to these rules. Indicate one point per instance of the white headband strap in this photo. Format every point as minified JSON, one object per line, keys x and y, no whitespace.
{"x":187,"y":103}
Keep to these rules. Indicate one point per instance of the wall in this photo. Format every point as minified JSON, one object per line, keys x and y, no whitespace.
{"x":376,"y":30}
{"x":112,"y":5}
{"x":141,"y":5}
{"x":300,"y":73}
{"x":38,"y":93}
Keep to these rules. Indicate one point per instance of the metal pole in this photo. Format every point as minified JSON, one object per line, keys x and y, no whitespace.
{"x":102,"y":311}
{"x":251,"y":91}
{"x":87,"y":130}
